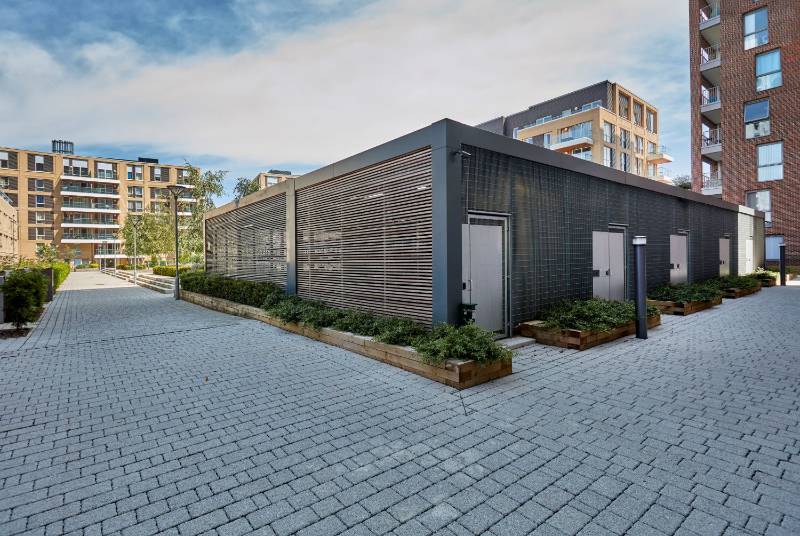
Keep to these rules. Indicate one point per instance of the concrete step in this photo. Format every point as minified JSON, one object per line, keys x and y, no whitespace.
{"x":157,"y":283}
{"x":512,"y":343}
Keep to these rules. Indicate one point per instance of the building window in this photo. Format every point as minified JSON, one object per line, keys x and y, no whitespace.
{"x":5,"y":182}
{"x":38,"y":163}
{"x":135,"y":206}
{"x":134,"y":173}
{"x":546,"y":140}
{"x":40,"y":217}
{"x":608,"y":157}
{"x":652,"y":170}
{"x":624,"y":106}
{"x":755,"y":29}
{"x":40,"y":200}
{"x":770,"y":161}
{"x":105,"y":170}
{"x":585,"y":153}
{"x":639,"y":144}
{"x":157,"y":174}
{"x":3,"y":159}
{"x":638,"y":166}
{"x":39,"y":186}
{"x":134,"y":191}
{"x":761,"y":200}
{"x":624,"y":138}
{"x":608,"y":132}
{"x":772,"y":250}
{"x":637,"y":113}
{"x":526,"y":140}
{"x":651,"y":121}
{"x":624,"y":161}
{"x":756,"y":119}
{"x":768,"y":70}
{"x":40,"y":233}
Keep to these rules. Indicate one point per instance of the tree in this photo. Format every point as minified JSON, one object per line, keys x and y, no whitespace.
{"x":206,"y":186}
{"x":154,"y":236}
{"x":24,"y":294}
{"x":245,"y":187}
{"x":683,"y":181}
{"x":46,"y":253}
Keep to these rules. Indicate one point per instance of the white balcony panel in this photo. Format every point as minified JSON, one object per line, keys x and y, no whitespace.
{"x":90,"y":225}
{"x":88,"y":194}
{"x":88,"y":179}
{"x":110,"y":256}
{"x":91,"y":210}
{"x":90,"y":241}
{"x":573,"y":143}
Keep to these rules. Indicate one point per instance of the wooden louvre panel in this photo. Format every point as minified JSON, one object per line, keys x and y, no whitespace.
{"x":249,"y":242}
{"x":365,"y":239}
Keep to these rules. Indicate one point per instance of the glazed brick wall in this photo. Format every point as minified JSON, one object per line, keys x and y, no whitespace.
{"x":737,"y":85}
{"x":553,"y":212}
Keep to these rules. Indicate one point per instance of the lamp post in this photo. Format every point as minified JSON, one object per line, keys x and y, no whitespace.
{"x":639,"y":245}
{"x":137,"y":223}
{"x":176,"y":190}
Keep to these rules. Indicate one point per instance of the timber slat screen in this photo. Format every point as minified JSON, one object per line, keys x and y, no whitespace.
{"x":365,"y":239}
{"x":249,"y":242}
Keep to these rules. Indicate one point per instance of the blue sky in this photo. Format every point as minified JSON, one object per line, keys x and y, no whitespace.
{"x":249,"y":85}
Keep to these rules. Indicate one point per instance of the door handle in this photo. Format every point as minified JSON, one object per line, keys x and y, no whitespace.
{"x":608,"y":272}
{"x":595,"y":273}
{"x":671,"y":266}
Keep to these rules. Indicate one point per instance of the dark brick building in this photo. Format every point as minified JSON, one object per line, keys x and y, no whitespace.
{"x":745,"y":87}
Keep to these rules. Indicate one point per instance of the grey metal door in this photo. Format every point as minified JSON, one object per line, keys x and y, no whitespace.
{"x":484,"y":270}
{"x":724,"y":256}
{"x":678,"y":259}
{"x":608,"y":265}
{"x":749,"y":266}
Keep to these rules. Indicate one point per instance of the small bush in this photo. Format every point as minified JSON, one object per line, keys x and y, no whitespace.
{"x":60,"y":272}
{"x":169,"y":271}
{"x":358,"y":322}
{"x":740,"y":282}
{"x":312,"y":313}
{"x":400,"y":331}
{"x":685,"y":293}
{"x":592,"y":315}
{"x":24,"y":293}
{"x":252,"y":293}
{"x":763,"y":274}
{"x":464,"y":342}
{"x":94,"y":265}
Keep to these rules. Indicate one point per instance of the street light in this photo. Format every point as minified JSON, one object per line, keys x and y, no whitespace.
{"x":176,"y":190}
{"x":137,"y":223}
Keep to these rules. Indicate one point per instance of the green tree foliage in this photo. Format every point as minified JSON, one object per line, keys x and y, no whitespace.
{"x":245,"y":186}
{"x":154,"y":236}
{"x":206,"y":186}
{"x":46,"y":253}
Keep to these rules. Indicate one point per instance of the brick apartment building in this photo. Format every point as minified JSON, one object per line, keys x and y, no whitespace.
{"x":745,"y":90}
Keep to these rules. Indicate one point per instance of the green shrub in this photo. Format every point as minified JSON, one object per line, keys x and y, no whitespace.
{"x":733,"y":281}
{"x":592,"y":315}
{"x":358,"y":322}
{"x":315,"y":314}
{"x":464,"y":342}
{"x":685,"y":293}
{"x":400,"y":331}
{"x":169,"y":271}
{"x":254,"y":293}
{"x":763,"y":274}
{"x":24,"y":293}
{"x":60,"y":272}
{"x":94,"y":265}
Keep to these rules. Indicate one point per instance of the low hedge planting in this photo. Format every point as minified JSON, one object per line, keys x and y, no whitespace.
{"x":60,"y":272}
{"x":733,"y":281}
{"x":24,"y":293}
{"x":592,"y":314}
{"x":762,"y":274}
{"x":436,"y":346}
{"x":696,"y":292}
{"x":169,"y":271}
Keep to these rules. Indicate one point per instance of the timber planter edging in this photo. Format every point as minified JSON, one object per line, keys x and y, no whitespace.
{"x":733,"y":293}
{"x":768,"y":281}
{"x":577,"y":339}
{"x":453,"y":372}
{"x":684,"y":308}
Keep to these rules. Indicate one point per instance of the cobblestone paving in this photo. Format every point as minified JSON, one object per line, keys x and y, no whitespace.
{"x":129,"y":413}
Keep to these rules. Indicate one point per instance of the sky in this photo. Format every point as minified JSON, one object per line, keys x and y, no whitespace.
{"x":252,"y":85}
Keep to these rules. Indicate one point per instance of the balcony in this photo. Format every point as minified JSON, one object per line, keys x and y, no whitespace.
{"x":659,"y":155}
{"x":88,"y":191}
{"x":576,"y":137}
{"x":711,"y":144}
{"x":90,"y":223}
{"x":709,"y":21}
{"x":710,"y":103}
{"x":661,"y":175}
{"x":710,"y":61}
{"x":108,"y":253}
{"x":76,"y":205}
{"x":72,"y":173}
{"x":712,"y":184}
{"x":90,"y":238}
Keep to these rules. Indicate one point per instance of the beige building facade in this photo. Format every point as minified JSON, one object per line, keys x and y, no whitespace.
{"x":604,"y":123}
{"x":79,"y":203}
{"x":273,"y":177}
{"x":9,"y":229}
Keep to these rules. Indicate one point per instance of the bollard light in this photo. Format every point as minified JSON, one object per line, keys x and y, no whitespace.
{"x":639,"y":246}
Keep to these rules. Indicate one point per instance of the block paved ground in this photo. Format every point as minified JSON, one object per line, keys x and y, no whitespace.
{"x":126,"y":412}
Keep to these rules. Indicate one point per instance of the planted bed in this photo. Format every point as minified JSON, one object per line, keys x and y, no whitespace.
{"x":684,"y":299}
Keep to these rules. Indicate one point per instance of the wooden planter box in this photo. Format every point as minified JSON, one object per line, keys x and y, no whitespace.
{"x":683,"y":308}
{"x":733,"y":293}
{"x":577,"y":339}
{"x":770,"y":282}
{"x":455,"y":373}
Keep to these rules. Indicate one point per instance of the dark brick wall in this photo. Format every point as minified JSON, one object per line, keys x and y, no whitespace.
{"x":554,"y":211}
{"x":738,"y":86}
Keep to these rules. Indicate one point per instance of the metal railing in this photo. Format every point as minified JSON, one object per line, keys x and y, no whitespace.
{"x":88,"y":189}
{"x":709,"y":12}
{"x":709,"y":95}
{"x":709,"y":54}
{"x":712,"y":180}
{"x":91,"y":221}
{"x":90,"y":236}
{"x":658,"y":149}
{"x":578,"y":131}
{"x":106,"y":174}
{"x":84,"y":204}
{"x":713,"y":137}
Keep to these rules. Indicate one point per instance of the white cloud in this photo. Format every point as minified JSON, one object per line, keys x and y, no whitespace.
{"x":338,"y":88}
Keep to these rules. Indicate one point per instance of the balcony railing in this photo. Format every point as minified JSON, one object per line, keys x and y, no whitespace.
{"x":712,"y":180}
{"x":709,"y":96}
{"x":709,"y":12}
{"x":709,"y":54}
{"x":75,"y":171}
{"x":88,"y":189}
{"x":107,"y":174}
{"x":84,"y":204}
{"x":712,"y":137}
{"x":91,"y":221}
{"x":583,"y":131}
{"x":658,"y":149}
{"x":90,"y":236}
